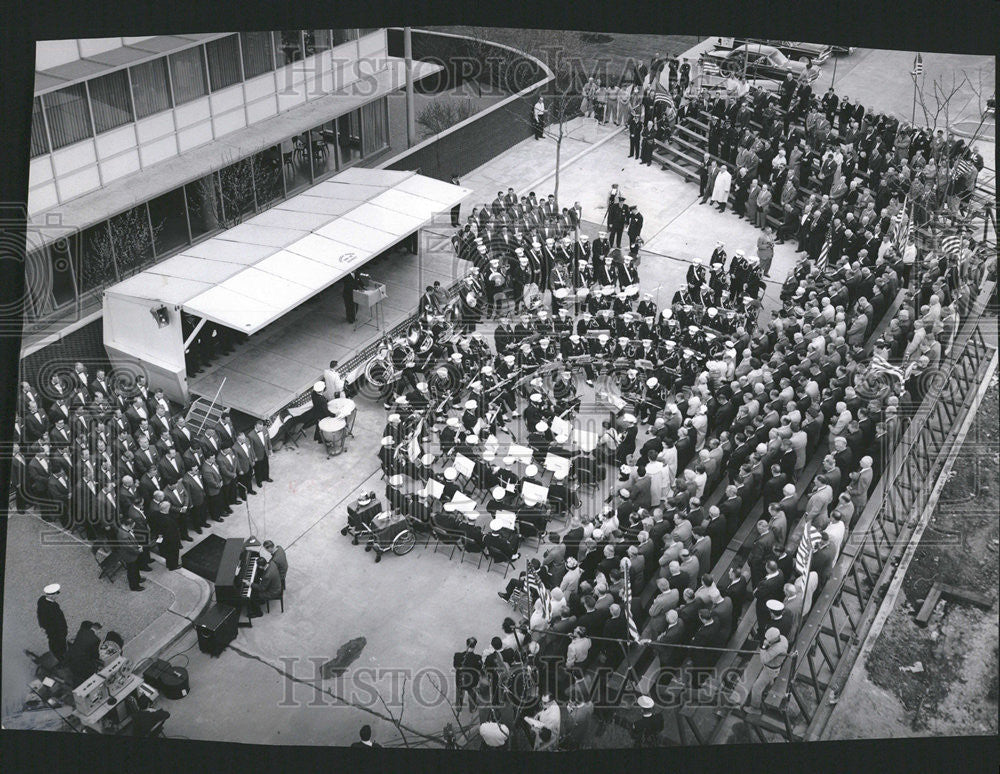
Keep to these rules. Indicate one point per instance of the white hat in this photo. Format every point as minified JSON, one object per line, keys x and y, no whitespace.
{"x":550,"y":241}
{"x":52,"y":588}
{"x":542,"y":426}
{"x":427,"y":459}
{"x":559,"y":474}
{"x":450,"y":474}
{"x":531,"y":470}
{"x":535,"y":397}
{"x":630,"y":418}
{"x":487,"y":369}
{"x":652,"y":381}
{"x":395,"y":480}
{"x":498,"y":492}
{"x":387,"y":440}
{"x":452,"y":421}
{"x":470,"y":404}
{"x":393,"y":417}
{"x":508,"y":460}
{"x":598,"y":534}
{"x":319,"y":386}
{"x":644,"y":702}
{"x":496,"y":525}
{"x":421,"y":386}
{"x":401,"y":399}
{"x":471,"y":438}
{"x":775,"y":605}
{"x":529,"y":500}
{"x":624,"y":493}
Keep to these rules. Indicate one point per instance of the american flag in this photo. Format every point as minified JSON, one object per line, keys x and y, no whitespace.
{"x":880,"y":365}
{"x":903,"y":227}
{"x":633,"y":630}
{"x":824,"y":254}
{"x":918,"y":65}
{"x":808,"y":544}
{"x":537,"y":590}
{"x":951,"y":244}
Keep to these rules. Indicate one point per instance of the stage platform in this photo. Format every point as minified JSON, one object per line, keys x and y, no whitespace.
{"x":275,"y":365}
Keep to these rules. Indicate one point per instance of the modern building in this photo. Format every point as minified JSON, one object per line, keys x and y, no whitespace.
{"x":142,"y":147}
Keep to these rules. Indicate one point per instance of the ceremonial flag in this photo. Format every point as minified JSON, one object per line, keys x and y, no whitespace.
{"x":904,"y":227}
{"x":413,"y":448}
{"x":918,"y":65}
{"x":951,"y":244}
{"x":808,"y":544}
{"x":824,"y":254}
{"x":633,"y":630}
{"x":535,"y":586}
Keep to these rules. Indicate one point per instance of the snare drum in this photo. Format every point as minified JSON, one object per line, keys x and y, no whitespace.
{"x":560,"y":293}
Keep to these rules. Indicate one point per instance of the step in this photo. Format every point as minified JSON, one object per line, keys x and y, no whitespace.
{"x":687,"y":174}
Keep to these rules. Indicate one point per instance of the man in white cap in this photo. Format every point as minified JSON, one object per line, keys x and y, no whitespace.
{"x":773,"y":652}
{"x":52,"y":620}
{"x":649,"y":725}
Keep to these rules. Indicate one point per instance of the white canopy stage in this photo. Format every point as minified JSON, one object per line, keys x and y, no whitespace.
{"x":261,"y":270}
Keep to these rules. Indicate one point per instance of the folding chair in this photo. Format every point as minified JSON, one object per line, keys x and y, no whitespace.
{"x":507,"y":563}
{"x":281,"y":599}
{"x":469,"y":548}
{"x":444,"y":537}
{"x":110,"y":565}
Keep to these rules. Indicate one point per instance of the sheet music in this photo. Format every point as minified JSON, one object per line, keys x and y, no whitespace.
{"x":520,"y":453}
{"x":435,"y":488}
{"x":560,"y":427}
{"x":555,"y":463}
{"x":464,"y":465}
{"x":506,"y":518}
{"x":539,"y":494}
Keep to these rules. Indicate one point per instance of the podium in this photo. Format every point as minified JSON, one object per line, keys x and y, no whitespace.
{"x":370,"y":299}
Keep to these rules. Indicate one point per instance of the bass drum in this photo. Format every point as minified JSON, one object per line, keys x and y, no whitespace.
{"x":532,"y":296}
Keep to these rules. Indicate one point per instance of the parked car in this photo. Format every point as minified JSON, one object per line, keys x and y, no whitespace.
{"x":758,"y":61}
{"x":817,"y":53}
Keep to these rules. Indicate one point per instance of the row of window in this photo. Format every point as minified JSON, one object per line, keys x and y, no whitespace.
{"x":89,"y":108}
{"x":75,"y":269}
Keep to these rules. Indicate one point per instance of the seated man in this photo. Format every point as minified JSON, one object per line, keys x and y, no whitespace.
{"x":267,"y":586}
{"x":83,"y":654}
{"x":502,"y":542}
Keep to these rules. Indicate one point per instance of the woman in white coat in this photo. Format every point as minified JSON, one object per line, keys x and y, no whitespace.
{"x":720,"y":193}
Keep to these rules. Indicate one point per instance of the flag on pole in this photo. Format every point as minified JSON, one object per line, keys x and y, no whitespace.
{"x":918,"y":65}
{"x":951,"y":244}
{"x":413,"y":447}
{"x":537,"y":590}
{"x":633,"y":630}
{"x":808,"y":544}
{"x":903,"y":227}
{"x":824,"y":254}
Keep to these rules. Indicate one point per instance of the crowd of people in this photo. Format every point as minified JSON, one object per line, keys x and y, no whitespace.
{"x":112,"y":463}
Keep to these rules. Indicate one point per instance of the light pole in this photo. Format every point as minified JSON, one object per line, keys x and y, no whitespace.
{"x":411,"y":123}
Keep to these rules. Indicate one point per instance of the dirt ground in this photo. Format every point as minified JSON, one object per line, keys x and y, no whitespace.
{"x":940,"y":680}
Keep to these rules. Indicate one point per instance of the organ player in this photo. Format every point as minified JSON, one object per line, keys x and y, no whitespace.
{"x":266,"y":586}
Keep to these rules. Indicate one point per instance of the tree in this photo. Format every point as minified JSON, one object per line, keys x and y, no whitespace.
{"x":441,"y":114}
{"x":238,"y":190}
{"x":127,"y":242}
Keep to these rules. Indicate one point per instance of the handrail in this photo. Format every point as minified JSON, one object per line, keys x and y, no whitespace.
{"x":212,"y":405}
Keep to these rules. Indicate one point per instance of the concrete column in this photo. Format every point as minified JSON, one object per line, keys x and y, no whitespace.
{"x":411,"y":123}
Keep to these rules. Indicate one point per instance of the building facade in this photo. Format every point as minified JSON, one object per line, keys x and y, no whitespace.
{"x":141,"y":147}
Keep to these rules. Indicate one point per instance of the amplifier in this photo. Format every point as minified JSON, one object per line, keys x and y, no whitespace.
{"x":90,"y":694}
{"x":216,"y":628}
{"x":171,"y":681}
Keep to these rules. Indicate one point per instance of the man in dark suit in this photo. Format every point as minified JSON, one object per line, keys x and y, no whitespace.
{"x":738,"y":590}
{"x":365,"y":738}
{"x":717,"y":532}
{"x":211,"y":475}
{"x":181,"y":435}
{"x":149,"y":483}
{"x":351,"y":283}
{"x":260,"y":443}
{"x":244,"y":463}
{"x":52,"y":620}
{"x":130,"y":552}
{"x":266,"y":587}
{"x":197,"y":498}
{"x":225,"y":430}
{"x":36,"y":424}
{"x":468,"y":670}
{"x":760,"y":551}
{"x":170,"y":466}
{"x":771,"y":586}
{"x":166,"y":526}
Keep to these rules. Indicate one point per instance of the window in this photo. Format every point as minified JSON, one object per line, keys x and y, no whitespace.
{"x":223,"y":62}
{"x":110,"y":101}
{"x":289,"y":43}
{"x":319,"y":40}
{"x":258,"y":54}
{"x":267,"y":173}
{"x":168,"y":214}
{"x":237,"y":187}
{"x":187,"y":71}
{"x":295,"y":163}
{"x":151,"y":88}
{"x":131,"y":240}
{"x":38,"y":281}
{"x":374,"y":126}
{"x":96,"y":265}
{"x":349,"y":136}
{"x":203,"y":206}
{"x":342,"y":36}
{"x":68,"y":116}
{"x":323,"y":156}
{"x":39,"y":140}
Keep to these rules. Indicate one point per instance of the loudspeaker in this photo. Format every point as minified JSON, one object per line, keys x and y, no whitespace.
{"x":216,"y":628}
{"x":171,"y":681}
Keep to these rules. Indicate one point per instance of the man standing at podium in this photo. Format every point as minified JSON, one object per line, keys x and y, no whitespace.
{"x":351,"y":283}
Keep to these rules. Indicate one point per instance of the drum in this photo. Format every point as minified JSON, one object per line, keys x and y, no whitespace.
{"x":560,"y":293}
{"x":333,"y":430}
{"x":340,"y":408}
